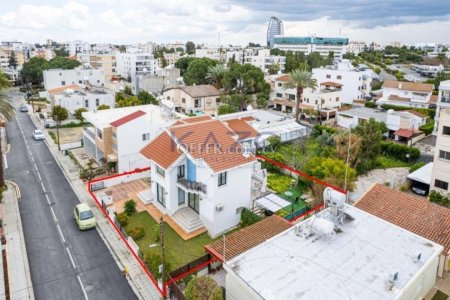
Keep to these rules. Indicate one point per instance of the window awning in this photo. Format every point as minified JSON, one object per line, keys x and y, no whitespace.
{"x":112,"y":157}
{"x":272,"y":202}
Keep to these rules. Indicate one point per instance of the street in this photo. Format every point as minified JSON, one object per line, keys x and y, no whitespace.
{"x":65,"y":263}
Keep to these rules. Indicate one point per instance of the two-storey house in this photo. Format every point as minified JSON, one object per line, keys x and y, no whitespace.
{"x":203,"y":98}
{"x":400,"y":93}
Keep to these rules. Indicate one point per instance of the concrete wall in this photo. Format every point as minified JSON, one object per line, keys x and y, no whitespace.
{"x":55,"y":78}
{"x":75,"y":101}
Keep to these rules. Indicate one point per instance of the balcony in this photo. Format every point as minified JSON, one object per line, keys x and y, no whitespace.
{"x":89,"y":131}
{"x":192,"y":186}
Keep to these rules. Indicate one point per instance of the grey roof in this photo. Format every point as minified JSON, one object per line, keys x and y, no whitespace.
{"x":366,"y":113}
{"x":202,"y":90}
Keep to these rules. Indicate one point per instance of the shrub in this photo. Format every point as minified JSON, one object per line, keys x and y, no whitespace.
{"x":137,"y":232}
{"x":416,"y":166}
{"x":248,"y":217}
{"x":425,"y":111}
{"x":370,"y":104}
{"x":318,"y":130}
{"x":279,"y":182}
{"x":130,"y":207}
{"x":203,"y":287}
{"x":153,"y":261}
{"x":440,"y":198}
{"x":427,"y":128}
{"x":400,"y":151}
{"x":122,"y":219}
{"x":53,"y":136}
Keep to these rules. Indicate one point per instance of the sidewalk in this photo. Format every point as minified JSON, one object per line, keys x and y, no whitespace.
{"x":137,"y":279}
{"x":20,"y":285}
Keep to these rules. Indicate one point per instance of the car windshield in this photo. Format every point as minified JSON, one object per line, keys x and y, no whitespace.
{"x":86,"y":215}
{"x":38,"y":132}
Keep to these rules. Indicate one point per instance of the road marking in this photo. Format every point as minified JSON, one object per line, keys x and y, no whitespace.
{"x":43,"y":187}
{"x":35,"y":167}
{"x":71,"y":258}
{"x":32,"y":158}
{"x":61,"y":234}
{"x":53,"y":213}
{"x":39,"y":175}
{"x":82,"y":288}
{"x":48,"y":200}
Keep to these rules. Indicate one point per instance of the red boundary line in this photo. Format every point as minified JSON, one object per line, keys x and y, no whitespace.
{"x":199,"y":267}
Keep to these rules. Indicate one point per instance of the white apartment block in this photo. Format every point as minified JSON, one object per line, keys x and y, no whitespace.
{"x":171,"y":59}
{"x":443,"y":100}
{"x":441,"y":165}
{"x":54,"y":78}
{"x":106,"y":62}
{"x":134,"y":62}
{"x":355,"y":83}
{"x":264,"y":60}
{"x":118,"y":134}
{"x":411,"y":94}
{"x":216,"y":53}
{"x":307,"y":45}
{"x":196,"y":99}
{"x":77,"y":46}
{"x":356,"y":47}
{"x":73,"y":97}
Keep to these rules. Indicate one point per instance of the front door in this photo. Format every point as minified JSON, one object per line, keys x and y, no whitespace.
{"x":194,"y":201}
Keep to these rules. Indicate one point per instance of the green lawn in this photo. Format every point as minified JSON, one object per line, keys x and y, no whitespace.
{"x":297,"y":206}
{"x":385,"y":162}
{"x":178,"y":252}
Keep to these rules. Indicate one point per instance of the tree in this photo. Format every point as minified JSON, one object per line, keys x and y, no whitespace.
{"x":183,"y":63}
{"x":61,"y":52}
{"x":127,"y":91}
{"x":197,"y":71}
{"x":190,"y":47}
{"x":240,"y":100}
{"x":214,"y":75}
{"x":245,"y":79}
{"x":33,"y":69}
{"x":371,"y":134}
{"x":226,"y":109}
{"x":147,"y":98}
{"x":103,"y":107}
{"x":7,"y":111}
{"x":12,"y":61}
{"x":79,"y":114}
{"x":348,"y":147}
{"x":59,"y":114}
{"x":299,"y":79}
{"x":153,"y":261}
{"x":203,"y":288}
{"x":128,"y":101}
{"x":332,"y":170}
{"x":273,"y":69}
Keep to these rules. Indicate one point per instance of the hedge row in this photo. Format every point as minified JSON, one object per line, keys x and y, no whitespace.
{"x":400,"y":151}
{"x":425,"y":111}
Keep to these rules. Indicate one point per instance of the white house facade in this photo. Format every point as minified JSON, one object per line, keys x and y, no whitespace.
{"x":413,"y":94}
{"x":54,"y":78}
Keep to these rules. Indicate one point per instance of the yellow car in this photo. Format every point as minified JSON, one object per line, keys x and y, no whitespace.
{"x":84,"y":217}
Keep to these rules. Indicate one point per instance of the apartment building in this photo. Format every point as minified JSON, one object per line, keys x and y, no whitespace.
{"x":212,"y":52}
{"x":170,"y":58}
{"x":77,"y":46}
{"x":402,"y":93}
{"x":195,"y":99}
{"x":443,"y":100}
{"x":441,"y":166}
{"x":73,"y":97}
{"x":264,"y":60}
{"x":135,"y":62}
{"x":200,"y":175}
{"x":355,"y":83}
{"x":356,"y":47}
{"x":117,"y":135}
{"x":55,"y":78}
{"x":156,"y":84}
{"x":106,"y":62}
{"x":307,"y":45}
{"x":5,"y":54}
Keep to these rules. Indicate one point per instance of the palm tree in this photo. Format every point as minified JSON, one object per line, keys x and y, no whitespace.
{"x":7,"y":111}
{"x":215,"y":75}
{"x":299,"y":79}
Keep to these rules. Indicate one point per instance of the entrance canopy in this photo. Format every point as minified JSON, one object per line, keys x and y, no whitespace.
{"x":272,"y":202}
{"x":423,"y":174}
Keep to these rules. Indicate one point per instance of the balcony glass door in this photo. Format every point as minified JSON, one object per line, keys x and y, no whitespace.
{"x":194,"y":202}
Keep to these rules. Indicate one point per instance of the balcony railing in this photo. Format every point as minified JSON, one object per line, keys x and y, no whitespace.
{"x":192,"y":185}
{"x":89,"y":132}
{"x":445,"y":99}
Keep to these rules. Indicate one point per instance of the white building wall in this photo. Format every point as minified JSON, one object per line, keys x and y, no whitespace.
{"x":55,"y":78}
{"x":441,"y":166}
{"x":133,"y":63}
{"x":346,"y":121}
{"x":72,"y":102}
{"x":237,"y":289}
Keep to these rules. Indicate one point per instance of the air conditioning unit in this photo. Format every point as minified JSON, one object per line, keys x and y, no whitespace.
{"x":219,"y":207}
{"x":393,"y":276}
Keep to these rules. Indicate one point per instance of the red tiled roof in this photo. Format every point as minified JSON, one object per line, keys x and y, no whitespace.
{"x":127,"y":118}
{"x":63,"y":88}
{"x":242,"y":128}
{"x":248,"y":118}
{"x":412,"y":213}
{"x":283,"y":78}
{"x":404,"y":132}
{"x":330,"y":83}
{"x":162,"y":150}
{"x":284,"y":102}
{"x":196,"y":119}
{"x":240,"y":241}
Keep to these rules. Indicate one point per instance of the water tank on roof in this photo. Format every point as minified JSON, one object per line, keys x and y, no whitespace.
{"x":390,"y":111}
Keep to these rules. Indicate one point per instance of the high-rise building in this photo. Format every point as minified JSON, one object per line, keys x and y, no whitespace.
{"x":275,"y":28}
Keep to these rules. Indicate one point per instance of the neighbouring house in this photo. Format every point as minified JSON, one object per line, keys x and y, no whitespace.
{"x":55,"y":78}
{"x":156,"y":84}
{"x":443,"y":100}
{"x":200,"y":175}
{"x":441,"y":166}
{"x":415,"y":214}
{"x":355,"y":83}
{"x":326,"y":99}
{"x":350,"y":118}
{"x":106,"y":62}
{"x":194,"y":99}
{"x":135,"y":62}
{"x":266,"y":124}
{"x":74,"y":96}
{"x":117,"y":135}
{"x":401,"y":93}
{"x":341,"y":252}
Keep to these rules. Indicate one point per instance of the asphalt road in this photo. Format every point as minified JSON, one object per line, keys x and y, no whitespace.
{"x":64,"y":262}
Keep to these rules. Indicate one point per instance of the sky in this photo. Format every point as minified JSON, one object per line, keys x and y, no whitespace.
{"x":237,"y":22}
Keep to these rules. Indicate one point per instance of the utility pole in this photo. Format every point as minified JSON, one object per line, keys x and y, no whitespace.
{"x":161,"y":234}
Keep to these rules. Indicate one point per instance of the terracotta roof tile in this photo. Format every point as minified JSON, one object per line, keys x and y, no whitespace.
{"x":285,"y":102}
{"x":283,"y":78}
{"x":408,"y":86}
{"x":248,"y":118}
{"x":127,"y":118}
{"x":242,"y":128}
{"x":162,"y":150}
{"x":196,"y":119}
{"x":412,"y":213}
{"x":240,"y":241}
{"x":61,"y":89}
{"x":330,"y":83}
{"x":404,"y":132}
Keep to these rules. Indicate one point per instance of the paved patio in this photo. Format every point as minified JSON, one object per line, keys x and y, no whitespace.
{"x":442,"y":284}
{"x":130,"y":190}
{"x":83,"y":157}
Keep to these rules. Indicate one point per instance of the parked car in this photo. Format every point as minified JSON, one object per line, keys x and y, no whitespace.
{"x":420,"y":188}
{"x":84,"y":216}
{"x":38,"y":135}
{"x":49,"y":123}
{"x":24,"y":108}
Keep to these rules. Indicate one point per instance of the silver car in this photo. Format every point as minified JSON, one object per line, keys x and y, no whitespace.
{"x":38,"y":135}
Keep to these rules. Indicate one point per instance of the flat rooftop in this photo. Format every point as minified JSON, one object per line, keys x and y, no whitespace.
{"x":103,"y":118}
{"x":366,"y":113}
{"x":354,"y":263}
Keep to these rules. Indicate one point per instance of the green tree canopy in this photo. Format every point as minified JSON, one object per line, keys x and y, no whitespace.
{"x":59,"y":114}
{"x":7,"y":110}
{"x":190,"y":47}
{"x":215,"y":74}
{"x":197,"y":71}
{"x":183,"y":63}
{"x":332,"y":170}
{"x":79,"y":114}
{"x":12,"y":61}
{"x":371,"y":134}
{"x":244,"y":79}
{"x":32,"y":69}
{"x":103,"y":107}
{"x":146,"y":98}
{"x":203,"y":288}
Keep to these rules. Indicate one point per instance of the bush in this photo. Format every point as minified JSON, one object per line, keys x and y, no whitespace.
{"x":122,"y":219}
{"x":427,"y":128}
{"x":53,"y":136}
{"x":416,"y":166}
{"x":440,"y":198}
{"x":400,"y":151}
{"x":279,"y":182}
{"x":370,"y":104}
{"x":248,"y":217}
{"x":320,"y":129}
{"x":130,"y":207}
{"x":137,"y":232}
{"x":425,"y":111}
{"x":203,"y":287}
{"x":153,"y":261}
